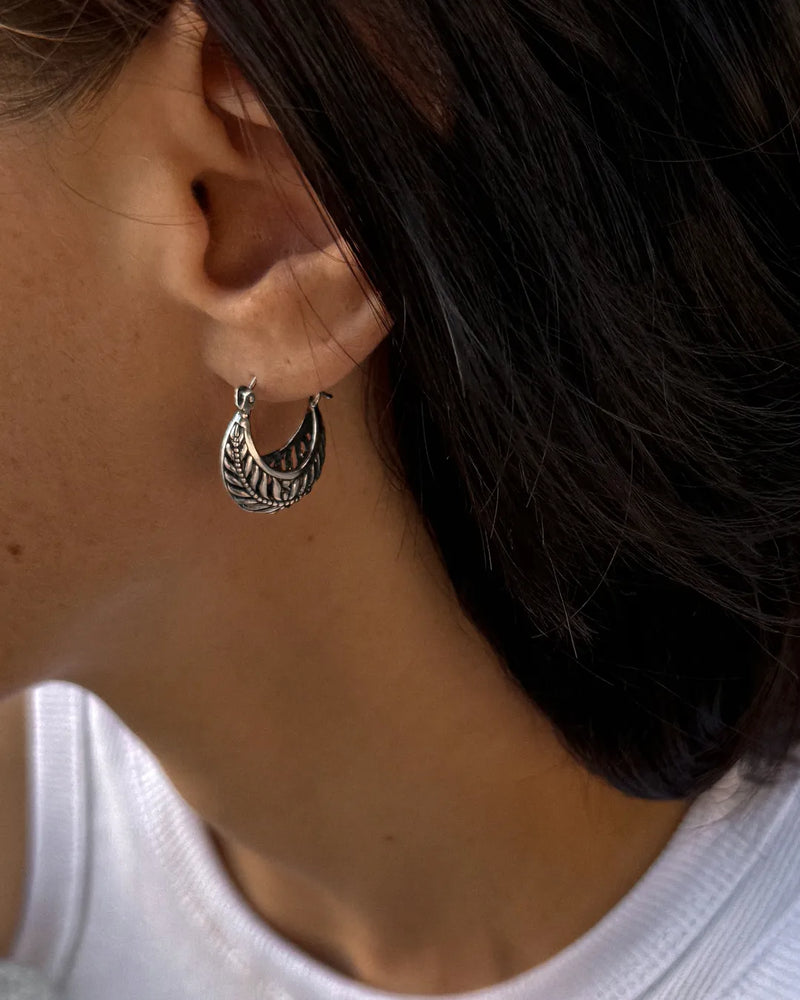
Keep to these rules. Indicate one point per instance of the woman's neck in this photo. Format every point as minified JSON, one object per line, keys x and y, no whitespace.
{"x":382,"y":795}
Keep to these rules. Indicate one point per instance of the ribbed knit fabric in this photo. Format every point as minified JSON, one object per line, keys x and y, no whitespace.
{"x":19,"y":982}
{"x":128,"y":899}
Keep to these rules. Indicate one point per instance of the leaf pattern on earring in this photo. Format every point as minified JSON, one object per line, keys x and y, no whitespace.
{"x":272,"y":482}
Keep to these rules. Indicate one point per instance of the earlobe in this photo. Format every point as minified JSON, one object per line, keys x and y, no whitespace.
{"x":305,"y":325}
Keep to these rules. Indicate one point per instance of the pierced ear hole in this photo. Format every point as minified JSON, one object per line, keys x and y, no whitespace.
{"x":200,"y":195}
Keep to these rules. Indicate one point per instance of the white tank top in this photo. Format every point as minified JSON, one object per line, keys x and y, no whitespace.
{"x":127,"y":899}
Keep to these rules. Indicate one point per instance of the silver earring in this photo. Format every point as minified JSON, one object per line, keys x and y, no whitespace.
{"x":277,"y":480}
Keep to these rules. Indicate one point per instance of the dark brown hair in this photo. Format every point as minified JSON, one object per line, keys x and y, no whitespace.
{"x":593,"y":276}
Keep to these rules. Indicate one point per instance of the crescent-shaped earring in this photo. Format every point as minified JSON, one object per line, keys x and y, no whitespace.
{"x":280,"y":478}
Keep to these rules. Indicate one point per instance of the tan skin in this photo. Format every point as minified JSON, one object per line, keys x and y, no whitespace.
{"x":381,"y":794}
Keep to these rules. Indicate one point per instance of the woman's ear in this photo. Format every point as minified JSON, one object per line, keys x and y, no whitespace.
{"x":287,"y":300}
{"x":241,"y":239}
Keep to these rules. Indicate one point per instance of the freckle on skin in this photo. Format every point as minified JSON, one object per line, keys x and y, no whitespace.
{"x":310,"y":538}
{"x":15,"y":549}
